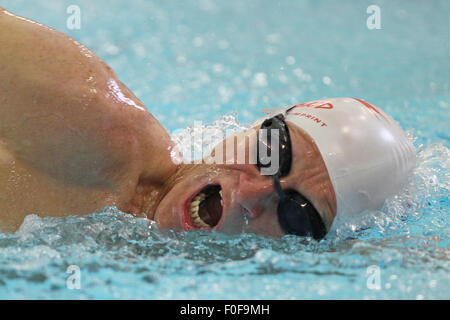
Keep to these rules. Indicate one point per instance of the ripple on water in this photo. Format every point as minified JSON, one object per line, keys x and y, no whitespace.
{"x":116,"y":252}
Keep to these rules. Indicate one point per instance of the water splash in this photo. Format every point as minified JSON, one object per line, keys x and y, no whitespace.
{"x":196,"y":141}
{"x":117,"y":253}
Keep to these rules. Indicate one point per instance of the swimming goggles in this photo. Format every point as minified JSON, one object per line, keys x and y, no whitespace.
{"x":296,"y":214}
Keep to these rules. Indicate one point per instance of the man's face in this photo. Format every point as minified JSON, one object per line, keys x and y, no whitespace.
{"x":236,"y":198}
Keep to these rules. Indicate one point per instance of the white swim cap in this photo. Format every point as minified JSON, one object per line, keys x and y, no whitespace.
{"x":367,"y":154}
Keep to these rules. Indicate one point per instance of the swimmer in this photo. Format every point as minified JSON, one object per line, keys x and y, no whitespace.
{"x":74,"y":139}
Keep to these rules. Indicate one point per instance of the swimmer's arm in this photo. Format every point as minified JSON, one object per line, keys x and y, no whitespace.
{"x":63,"y":110}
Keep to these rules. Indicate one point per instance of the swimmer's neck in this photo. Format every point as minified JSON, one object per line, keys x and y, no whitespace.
{"x":149,"y":194}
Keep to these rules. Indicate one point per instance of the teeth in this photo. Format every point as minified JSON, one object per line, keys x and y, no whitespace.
{"x":194,"y":208}
{"x":193,"y":211}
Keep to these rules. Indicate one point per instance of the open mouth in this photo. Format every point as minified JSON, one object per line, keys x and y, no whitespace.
{"x":205,"y":209}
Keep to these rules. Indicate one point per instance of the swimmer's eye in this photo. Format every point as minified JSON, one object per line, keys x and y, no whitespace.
{"x":298,"y":216}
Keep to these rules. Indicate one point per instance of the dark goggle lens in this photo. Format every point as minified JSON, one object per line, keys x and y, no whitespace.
{"x":275,"y":129}
{"x":298,"y":216}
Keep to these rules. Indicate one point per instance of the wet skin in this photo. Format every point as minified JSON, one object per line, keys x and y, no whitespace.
{"x":74,"y":139}
{"x":249,"y":199}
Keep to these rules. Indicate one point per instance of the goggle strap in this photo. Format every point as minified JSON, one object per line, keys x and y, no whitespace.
{"x":278,"y":189}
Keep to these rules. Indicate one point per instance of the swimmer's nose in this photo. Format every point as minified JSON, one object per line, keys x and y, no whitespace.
{"x":255,"y":193}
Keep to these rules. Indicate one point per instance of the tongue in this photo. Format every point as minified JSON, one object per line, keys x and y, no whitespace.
{"x":210,"y":209}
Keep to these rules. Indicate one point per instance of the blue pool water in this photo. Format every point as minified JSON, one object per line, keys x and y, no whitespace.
{"x":203,"y":59}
